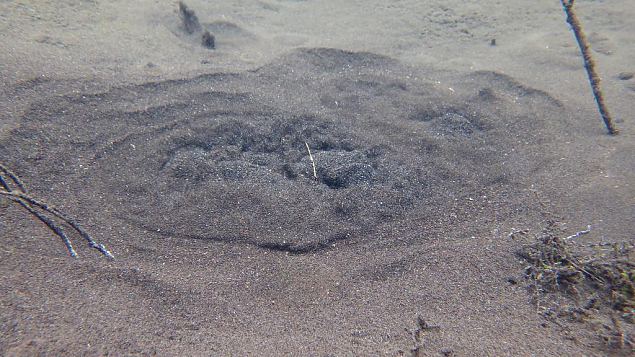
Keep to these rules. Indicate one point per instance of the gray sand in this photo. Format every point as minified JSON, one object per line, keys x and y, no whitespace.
{"x":431,"y":145}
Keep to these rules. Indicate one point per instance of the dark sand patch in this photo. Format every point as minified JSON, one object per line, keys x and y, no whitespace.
{"x":199,"y":159}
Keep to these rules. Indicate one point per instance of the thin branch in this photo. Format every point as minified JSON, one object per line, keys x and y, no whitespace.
{"x":589,"y":64}
{"x":580,"y":233}
{"x":21,"y":197}
{"x":13,"y":177}
{"x":71,"y":222}
{"x":55,"y":228}
{"x":312,"y":161}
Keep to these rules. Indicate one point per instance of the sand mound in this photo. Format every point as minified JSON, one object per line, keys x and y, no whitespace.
{"x":223,"y":157}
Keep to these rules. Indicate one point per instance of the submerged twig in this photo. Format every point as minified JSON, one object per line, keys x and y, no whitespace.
{"x":55,"y":228}
{"x":13,"y":177}
{"x":312,"y":161}
{"x":580,"y":233}
{"x":20,"y":196}
{"x":589,"y":64}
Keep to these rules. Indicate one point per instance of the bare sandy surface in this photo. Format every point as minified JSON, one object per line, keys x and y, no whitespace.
{"x":437,"y":129}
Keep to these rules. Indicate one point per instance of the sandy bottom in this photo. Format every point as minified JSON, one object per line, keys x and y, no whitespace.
{"x":328,"y":180}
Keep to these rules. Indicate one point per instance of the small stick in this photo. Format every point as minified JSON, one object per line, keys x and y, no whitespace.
{"x":20,"y":196}
{"x":580,"y":233}
{"x":587,"y":272}
{"x":312,"y":161}
{"x":13,"y":178}
{"x":55,"y":228}
{"x":589,"y":64}
{"x":71,"y":222}
{"x":4,"y":184}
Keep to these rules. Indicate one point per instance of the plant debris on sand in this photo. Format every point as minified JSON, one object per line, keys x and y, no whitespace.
{"x":592,"y":283}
